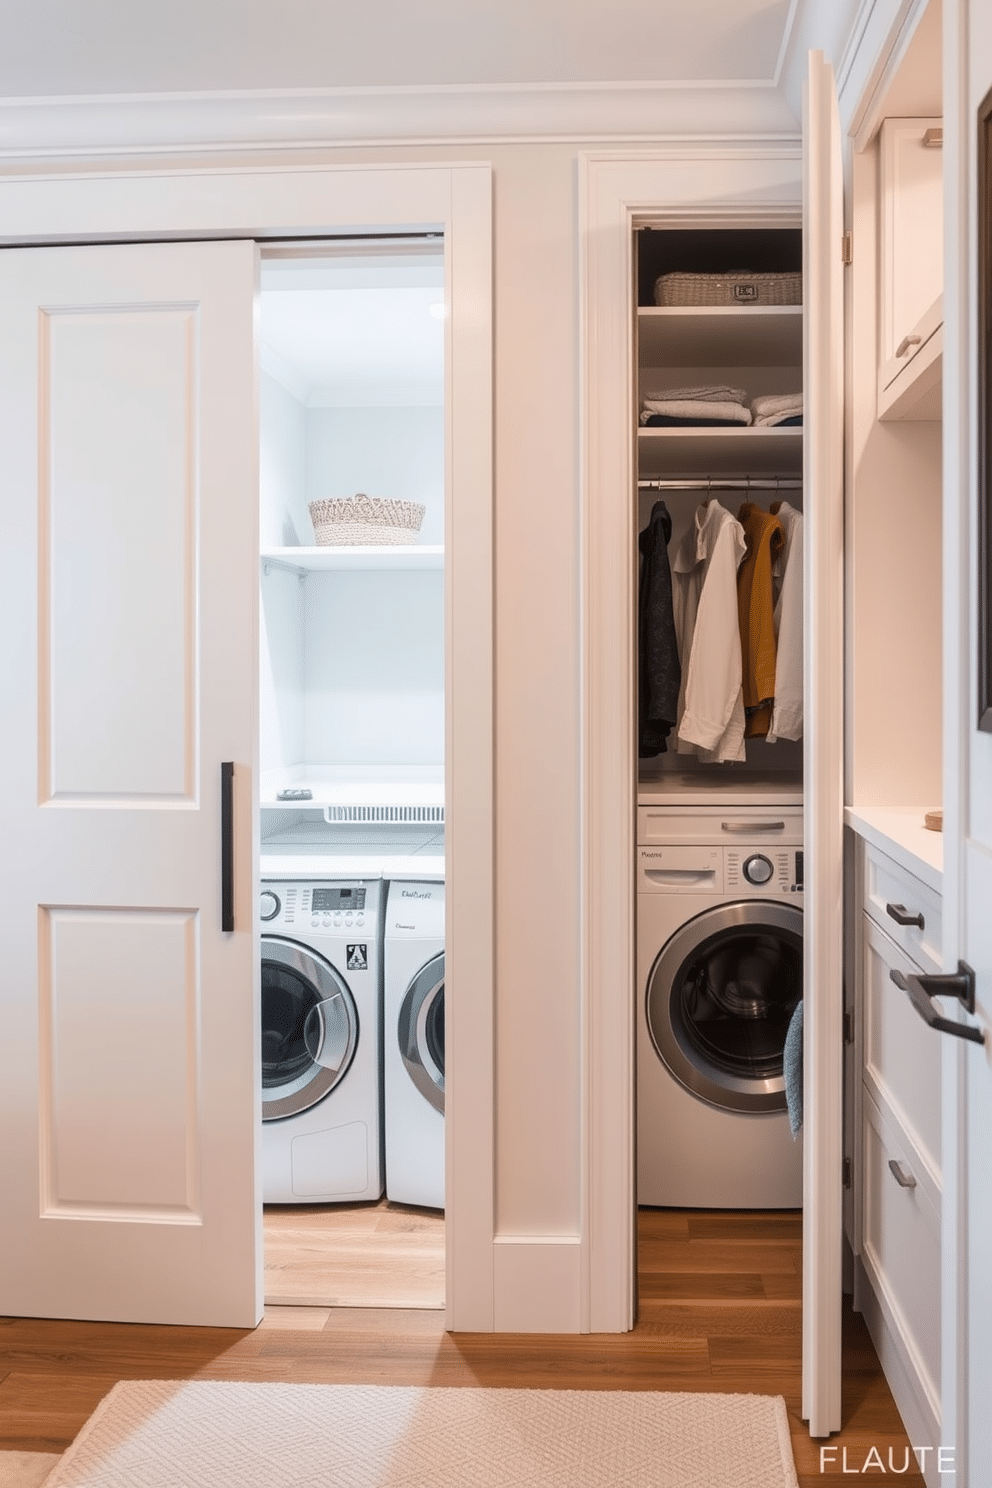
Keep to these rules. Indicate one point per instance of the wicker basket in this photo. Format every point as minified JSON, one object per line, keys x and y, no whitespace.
{"x":736,"y":287}
{"x":359,"y":521}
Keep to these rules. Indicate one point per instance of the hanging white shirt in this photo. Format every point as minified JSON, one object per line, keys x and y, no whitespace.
{"x":704,"y":593}
{"x":787,"y":712}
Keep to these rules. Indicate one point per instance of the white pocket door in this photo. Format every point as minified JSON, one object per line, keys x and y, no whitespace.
{"x":128,"y":600}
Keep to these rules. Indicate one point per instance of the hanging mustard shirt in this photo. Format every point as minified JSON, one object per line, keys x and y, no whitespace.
{"x":756,"y":605}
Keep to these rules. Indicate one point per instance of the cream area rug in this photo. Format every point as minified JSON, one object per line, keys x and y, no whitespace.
{"x":222,"y":1434}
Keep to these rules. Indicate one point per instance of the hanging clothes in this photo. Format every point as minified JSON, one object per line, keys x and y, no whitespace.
{"x":704,"y":581}
{"x":765,"y":538}
{"x":659,"y":671}
{"x":787,"y":711}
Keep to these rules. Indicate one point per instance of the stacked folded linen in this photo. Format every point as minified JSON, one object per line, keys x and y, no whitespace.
{"x":779,"y":408}
{"x":714,"y":393}
{"x":695,"y":406}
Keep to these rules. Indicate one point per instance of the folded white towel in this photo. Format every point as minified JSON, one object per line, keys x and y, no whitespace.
{"x":766,"y":420}
{"x":689,"y":408}
{"x":777,"y":403}
{"x":714,"y":394}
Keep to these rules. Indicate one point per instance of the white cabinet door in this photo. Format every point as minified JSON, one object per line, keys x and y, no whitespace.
{"x":823,"y":785}
{"x":130,"y":1094}
{"x":966,"y":1215}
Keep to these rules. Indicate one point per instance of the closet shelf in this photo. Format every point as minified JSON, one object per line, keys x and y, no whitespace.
{"x":745,"y":451}
{"x":720,"y":335}
{"x":354,"y":559}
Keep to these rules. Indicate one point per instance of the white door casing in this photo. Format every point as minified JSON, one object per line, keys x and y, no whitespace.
{"x":823,"y":755}
{"x":685,"y":184}
{"x":128,"y":442}
{"x":278,"y":201}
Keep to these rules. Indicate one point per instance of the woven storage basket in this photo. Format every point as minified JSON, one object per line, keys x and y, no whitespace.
{"x":353,"y":521}
{"x":736,"y":287}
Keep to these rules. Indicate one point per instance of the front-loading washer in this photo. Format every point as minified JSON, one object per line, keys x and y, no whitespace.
{"x":413,"y":1023}
{"x":321,"y":1041}
{"x":719,"y":974}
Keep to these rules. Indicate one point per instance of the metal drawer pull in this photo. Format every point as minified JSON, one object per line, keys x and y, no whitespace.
{"x":902,"y":916}
{"x":906,"y":343}
{"x":753,"y":826}
{"x":961,"y":985}
{"x":904,"y":1179}
{"x":933,"y":138}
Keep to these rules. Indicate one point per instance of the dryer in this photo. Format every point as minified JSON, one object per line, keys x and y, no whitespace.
{"x":413,"y":1067}
{"x":321,"y":1041}
{"x":719,"y":973}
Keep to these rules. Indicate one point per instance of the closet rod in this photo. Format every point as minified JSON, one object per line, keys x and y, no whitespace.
{"x":721,"y":483}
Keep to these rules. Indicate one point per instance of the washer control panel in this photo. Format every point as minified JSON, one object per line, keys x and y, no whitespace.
{"x":327,"y":906}
{"x":773,"y":869}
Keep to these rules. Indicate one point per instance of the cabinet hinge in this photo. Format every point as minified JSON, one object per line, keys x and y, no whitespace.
{"x":847,"y":1172}
{"x":847,"y":248}
{"x":848,"y":1028}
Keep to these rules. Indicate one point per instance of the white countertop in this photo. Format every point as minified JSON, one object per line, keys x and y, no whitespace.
{"x":899,"y":831}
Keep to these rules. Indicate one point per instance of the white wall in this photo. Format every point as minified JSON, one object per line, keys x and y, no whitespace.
{"x":373,"y":648}
{"x":284,"y":520}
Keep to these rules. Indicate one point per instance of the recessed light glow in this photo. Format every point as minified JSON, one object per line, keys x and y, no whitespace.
{"x":439,"y":309}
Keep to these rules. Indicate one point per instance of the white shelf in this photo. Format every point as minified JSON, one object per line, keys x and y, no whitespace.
{"x":720,"y":336}
{"x":327,"y":560}
{"x":704,"y":452}
{"x":360,"y":785}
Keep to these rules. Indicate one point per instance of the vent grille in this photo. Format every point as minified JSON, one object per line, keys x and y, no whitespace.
{"x":415,"y":815}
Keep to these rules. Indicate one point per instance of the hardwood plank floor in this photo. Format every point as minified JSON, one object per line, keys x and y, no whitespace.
{"x":738,"y":1329}
{"x":360,"y":1255}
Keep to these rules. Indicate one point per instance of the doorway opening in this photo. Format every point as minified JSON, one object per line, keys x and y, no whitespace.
{"x":352,"y":805}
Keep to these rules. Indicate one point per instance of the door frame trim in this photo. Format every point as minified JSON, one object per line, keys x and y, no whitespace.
{"x":275,"y":201}
{"x":687,"y":183}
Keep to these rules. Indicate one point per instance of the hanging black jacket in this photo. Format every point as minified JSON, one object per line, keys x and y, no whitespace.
{"x":659,"y":673}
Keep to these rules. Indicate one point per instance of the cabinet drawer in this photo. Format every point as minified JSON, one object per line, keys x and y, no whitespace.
{"x":729,"y":824}
{"x":902,"y":1056}
{"x":901,"y":1248}
{"x":889,"y":891}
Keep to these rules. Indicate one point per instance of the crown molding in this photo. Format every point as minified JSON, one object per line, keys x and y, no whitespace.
{"x":149,"y":124}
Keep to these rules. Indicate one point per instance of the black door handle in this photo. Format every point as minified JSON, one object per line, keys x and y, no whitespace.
{"x":227,"y":845}
{"x":959,"y":984}
{"x":901,"y":915}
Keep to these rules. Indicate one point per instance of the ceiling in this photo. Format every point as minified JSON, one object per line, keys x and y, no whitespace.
{"x":59,"y":48}
{"x":356,"y":329}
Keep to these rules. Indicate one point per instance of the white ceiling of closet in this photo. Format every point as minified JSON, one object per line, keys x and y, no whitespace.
{"x":347,"y":331}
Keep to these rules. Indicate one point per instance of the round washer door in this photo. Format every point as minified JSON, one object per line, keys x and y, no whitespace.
{"x":309,"y":1028}
{"x":719,"y":1000}
{"x":420,"y":1030}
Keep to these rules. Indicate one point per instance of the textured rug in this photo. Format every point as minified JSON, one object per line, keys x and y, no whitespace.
{"x":220,"y":1434}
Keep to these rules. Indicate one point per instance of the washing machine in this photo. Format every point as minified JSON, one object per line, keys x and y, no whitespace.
{"x":413,"y":981}
{"x":321,"y":1041}
{"x":719,"y":973}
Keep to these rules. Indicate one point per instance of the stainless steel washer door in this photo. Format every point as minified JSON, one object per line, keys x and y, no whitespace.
{"x":420,"y":1030}
{"x":719,"y":1000}
{"x":309,"y":1028}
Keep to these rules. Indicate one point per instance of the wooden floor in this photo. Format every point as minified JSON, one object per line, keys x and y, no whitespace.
{"x":719,"y":1310}
{"x":359,"y":1255}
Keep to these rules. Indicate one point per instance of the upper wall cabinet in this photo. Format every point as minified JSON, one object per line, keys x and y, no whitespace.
{"x":911,"y":269}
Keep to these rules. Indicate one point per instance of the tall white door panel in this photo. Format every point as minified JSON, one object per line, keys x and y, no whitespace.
{"x":966,"y":1070}
{"x":128,"y":614}
{"x":823,"y":784}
